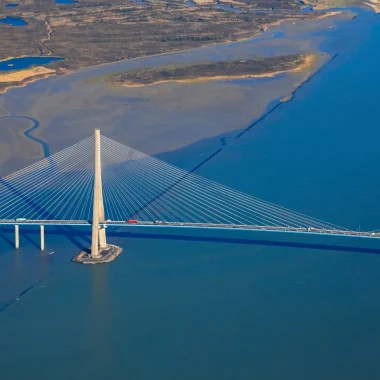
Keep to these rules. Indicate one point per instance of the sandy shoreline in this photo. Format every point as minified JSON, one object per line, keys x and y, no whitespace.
{"x":17,"y":76}
{"x":375,"y":5}
{"x":23,"y":77}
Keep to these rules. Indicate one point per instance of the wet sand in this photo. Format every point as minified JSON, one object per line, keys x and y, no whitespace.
{"x":16,"y":150}
{"x":166,"y":116}
{"x":22,"y":77}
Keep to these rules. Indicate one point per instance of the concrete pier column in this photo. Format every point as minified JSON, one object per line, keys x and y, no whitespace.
{"x":17,"y":237}
{"x":102,"y":237}
{"x":42,"y":233}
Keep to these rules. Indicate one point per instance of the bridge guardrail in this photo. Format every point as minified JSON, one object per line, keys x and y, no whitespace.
{"x":120,"y":223}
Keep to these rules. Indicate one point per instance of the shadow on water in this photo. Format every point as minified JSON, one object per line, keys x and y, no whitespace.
{"x":21,"y":196}
{"x":226,"y":140}
{"x":175,"y":183}
{"x":4,"y":238}
{"x":75,"y":234}
{"x":85,"y":235}
{"x":259,"y":242}
{"x":30,"y":240}
{"x":66,"y":231}
{"x":9,"y":303}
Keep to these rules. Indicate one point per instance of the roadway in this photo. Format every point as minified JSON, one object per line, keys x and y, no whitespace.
{"x":163,"y":224}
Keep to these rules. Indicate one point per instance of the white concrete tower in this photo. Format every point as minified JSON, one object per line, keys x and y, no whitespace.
{"x":98,"y":234}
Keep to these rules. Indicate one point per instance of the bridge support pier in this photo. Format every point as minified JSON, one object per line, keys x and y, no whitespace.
{"x":17,"y":237}
{"x":101,"y":252}
{"x":102,"y":237}
{"x":42,"y":233}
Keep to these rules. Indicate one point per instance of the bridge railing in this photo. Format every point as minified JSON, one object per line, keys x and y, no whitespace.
{"x":121,"y":223}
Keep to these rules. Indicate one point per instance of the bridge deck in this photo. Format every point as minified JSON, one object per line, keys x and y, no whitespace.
{"x":162,"y":224}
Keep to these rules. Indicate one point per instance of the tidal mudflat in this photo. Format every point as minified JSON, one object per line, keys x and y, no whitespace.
{"x":167,"y":116}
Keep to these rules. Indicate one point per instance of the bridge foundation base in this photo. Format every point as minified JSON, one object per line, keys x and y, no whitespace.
{"x":107,"y":254}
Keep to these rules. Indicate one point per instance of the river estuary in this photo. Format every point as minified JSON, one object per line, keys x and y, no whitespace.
{"x":204,"y":305}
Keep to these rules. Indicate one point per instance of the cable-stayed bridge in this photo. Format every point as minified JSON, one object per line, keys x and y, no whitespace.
{"x":99,"y":182}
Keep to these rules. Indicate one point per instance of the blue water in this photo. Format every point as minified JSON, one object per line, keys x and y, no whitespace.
{"x":11,"y":6}
{"x":26,"y":62}
{"x":307,"y":9}
{"x":14,"y":21}
{"x":65,"y":1}
{"x":203,"y":305}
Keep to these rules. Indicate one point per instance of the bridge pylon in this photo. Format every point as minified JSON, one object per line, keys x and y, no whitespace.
{"x":98,"y":232}
{"x":101,"y":252}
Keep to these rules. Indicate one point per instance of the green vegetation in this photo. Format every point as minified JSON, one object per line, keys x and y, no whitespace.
{"x":209,"y":70}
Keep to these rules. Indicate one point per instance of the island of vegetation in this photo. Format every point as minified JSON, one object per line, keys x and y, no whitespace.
{"x":207,"y":71}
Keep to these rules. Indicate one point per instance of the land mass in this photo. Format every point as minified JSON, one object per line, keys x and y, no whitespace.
{"x":328,"y":4}
{"x":157,"y":119}
{"x":90,"y":32}
{"x":206,"y":71}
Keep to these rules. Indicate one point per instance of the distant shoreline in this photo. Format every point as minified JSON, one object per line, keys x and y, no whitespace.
{"x":29,"y":76}
{"x":69,"y":108}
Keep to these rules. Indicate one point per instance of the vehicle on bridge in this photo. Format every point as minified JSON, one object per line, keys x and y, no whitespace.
{"x":20,"y":219}
{"x":132,"y":221}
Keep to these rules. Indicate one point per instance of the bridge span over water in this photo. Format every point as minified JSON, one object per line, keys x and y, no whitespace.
{"x":100,"y":183}
{"x":164,"y":224}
